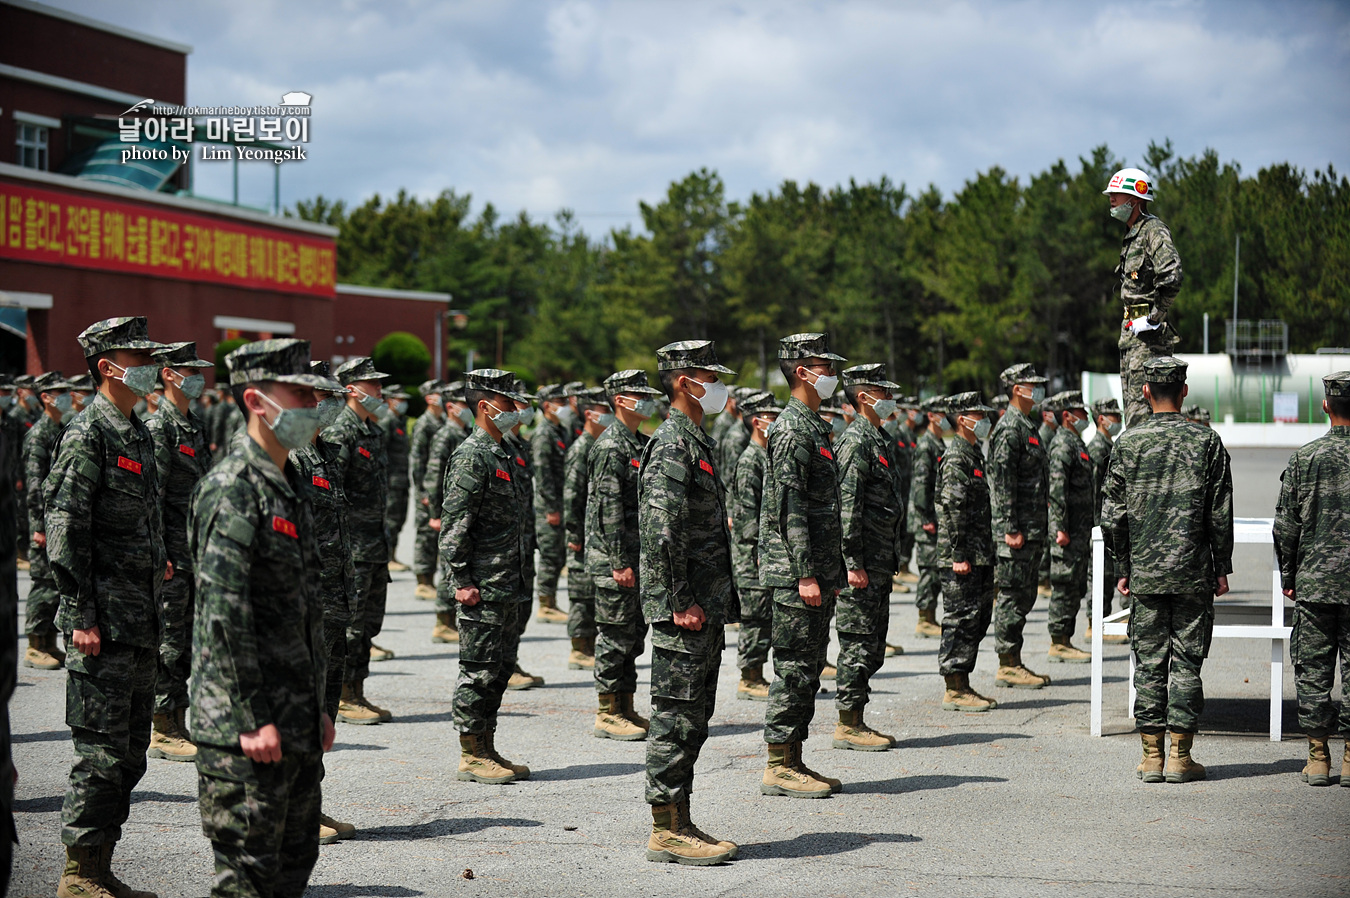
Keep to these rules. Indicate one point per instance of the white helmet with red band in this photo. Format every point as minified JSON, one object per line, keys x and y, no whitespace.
{"x":1131,"y":182}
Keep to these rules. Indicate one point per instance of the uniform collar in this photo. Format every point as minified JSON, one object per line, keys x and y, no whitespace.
{"x":168,"y":408}
{"x":258,"y":458}
{"x":1134,"y":230}
{"x":685,"y":425}
{"x":812,"y":418}
{"x":103,"y":408}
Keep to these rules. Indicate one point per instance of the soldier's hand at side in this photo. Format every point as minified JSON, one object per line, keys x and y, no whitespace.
{"x":40,"y":540}
{"x":1123,"y":586}
{"x":263,"y":745}
{"x":1221,"y":587}
{"x":809,"y":590}
{"x":858,"y":579}
{"x":574,"y":547}
{"x":168,"y":571}
{"x":87,"y":642}
{"x":1015,"y":540}
{"x":1061,"y":538}
{"x":692,"y":619}
{"x":434,"y":524}
{"x":554,"y":518}
{"x":329,"y":732}
{"x":1288,"y":593}
{"x":625,"y":577}
{"x":961,"y":568}
{"x":930,"y":529}
{"x":426,"y":501}
{"x":467,"y":596}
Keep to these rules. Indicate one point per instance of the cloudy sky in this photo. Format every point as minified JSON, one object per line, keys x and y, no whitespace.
{"x":596,"y":105}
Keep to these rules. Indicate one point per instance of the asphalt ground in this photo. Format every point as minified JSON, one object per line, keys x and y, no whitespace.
{"x":1018,"y":801}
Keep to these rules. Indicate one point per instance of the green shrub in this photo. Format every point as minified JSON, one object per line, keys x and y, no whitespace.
{"x":404,"y":357}
{"x":224,"y":348}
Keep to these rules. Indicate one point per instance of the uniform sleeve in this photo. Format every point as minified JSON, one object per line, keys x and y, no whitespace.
{"x":747,"y":496}
{"x":1116,"y":515}
{"x":465,"y":485}
{"x":1060,"y":465}
{"x":433,"y":480}
{"x":921,"y":481}
{"x":853,"y":473}
{"x":574,"y":494}
{"x":790,"y":459}
{"x":1288,"y":529}
{"x":548,"y":486}
{"x":663,"y":521}
{"x":417,"y":455}
{"x":1162,"y":252}
{"x":69,"y":498}
{"x":1003,"y":456}
{"x":162,"y":438}
{"x":953,"y":520}
{"x":37,"y":462}
{"x":604,"y":499}
{"x":1219,"y":499}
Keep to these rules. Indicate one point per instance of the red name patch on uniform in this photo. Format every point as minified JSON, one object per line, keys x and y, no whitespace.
{"x":503,"y":475}
{"x":1084,"y":456}
{"x":637,"y":464}
{"x":520,"y":461}
{"x":827,"y":453}
{"x":560,"y":444}
{"x":127,"y":464}
{"x":1033,"y":441}
{"x":365,"y":453}
{"x":882,"y":459}
{"x":398,"y":430}
{"x":322,"y":484}
{"x":281,"y":525}
{"x":978,"y":472}
{"x":703,"y":463}
{"x":187,"y":450}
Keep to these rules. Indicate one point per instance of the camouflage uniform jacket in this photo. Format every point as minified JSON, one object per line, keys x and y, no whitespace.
{"x":105,"y":534}
{"x":799,"y":528}
{"x":1018,"y":464}
{"x":872,"y":511}
{"x":16,"y":430}
{"x":38,"y":444}
{"x":523,"y":478}
{"x":576,"y":475}
{"x":686,"y":551}
{"x":363,"y":469}
{"x":396,"y":450}
{"x":1312,"y":520}
{"x":317,"y":467}
{"x":1099,"y":450}
{"x":964,"y":526}
{"x":548,"y":446}
{"x":1149,"y":272}
{"x":259,"y":653}
{"x":1169,"y":506}
{"x":747,"y":499}
{"x":183,"y":456}
{"x":728,"y":450}
{"x":923,"y":486}
{"x":419,"y":453}
{"x":612,"y":542}
{"x":1071,"y":499}
{"x":483,"y":525}
{"x":443,"y":445}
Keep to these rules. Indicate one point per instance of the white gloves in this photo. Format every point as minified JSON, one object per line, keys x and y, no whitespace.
{"x":1141,"y":325}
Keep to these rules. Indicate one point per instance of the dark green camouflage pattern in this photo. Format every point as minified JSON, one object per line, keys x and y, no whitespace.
{"x":548,"y":447}
{"x":43,"y":597}
{"x":419,"y":453}
{"x":580,"y":585}
{"x":1071,"y":511}
{"x":1321,"y":633}
{"x":1169,"y":635}
{"x":1312,"y":520}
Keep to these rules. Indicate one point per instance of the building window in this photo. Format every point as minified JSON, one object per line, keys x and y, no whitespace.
{"x":32,"y":146}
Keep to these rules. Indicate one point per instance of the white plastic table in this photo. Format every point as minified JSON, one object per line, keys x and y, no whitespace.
{"x":1245,"y":530}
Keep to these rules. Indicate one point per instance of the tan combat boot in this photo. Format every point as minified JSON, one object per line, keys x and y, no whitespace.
{"x":385,"y":714}
{"x":1150,"y":769}
{"x":1181,"y":767}
{"x":610,"y":722}
{"x":353,"y":709}
{"x":111,"y":883}
{"x":671,"y":843}
{"x":520,"y":770}
{"x":905,"y":575}
{"x":520,"y":679}
{"x":753,"y":687}
{"x":688,"y":825}
{"x":781,"y":778}
{"x":1064,"y":652}
{"x":630,"y":713}
{"x":331,"y":830}
{"x":960,"y":697}
{"x":83,"y":876}
{"x":797,"y":763}
{"x":1317,"y":772}
{"x":1345,"y":765}
{"x":852,"y":733}
{"x":829,"y":671}
{"x":41,"y":653}
{"x":397,"y":567}
{"x":1012,"y":673}
{"x":893,"y":649}
{"x":549,"y":612}
{"x":927,"y":627}
{"x":444,"y":629}
{"x":426,"y":588}
{"x":582,"y":656}
{"x":476,"y":765}
{"x":168,"y":741}
{"x":380,"y":654}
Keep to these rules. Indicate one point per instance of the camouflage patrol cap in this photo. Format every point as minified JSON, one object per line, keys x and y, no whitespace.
{"x":907,"y":402}
{"x":116,"y":333}
{"x":937,"y":405}
{"x":453,"y":391}
{"x":50,"y":382}
{"x":180,"y":355}
{"x":321,"y":368}
{"x":1000,"y":401}
{"x":1068,"y":400}
{"x":1336,"y":386}
{"x":960,"y":403}
{"x":1165,"y":369}
{"x":1107,"y":406}
{"x":493,"y":380}
{"x":1196,"y":413}
{"x":428,"y":387}
{"x":6,"y":381}
{"x":285,"y":360}
{"x":591,"y":396}
{"x":833,"y":405}
{"x":574,"y":388}
{"x":1021,"y":373}
{"x":359,"y":368}
{"x":632,"y":380}
{"x":395,"y":391}
{"x":83,"y":384}
{"x":522,"y":394}
{"x":690,"y":354}
{"x":552,"y":392}
{"x":868,"y":376}
{"x":25,"y":381}
{"x":761,"y":402}
{"x":807,"y":346}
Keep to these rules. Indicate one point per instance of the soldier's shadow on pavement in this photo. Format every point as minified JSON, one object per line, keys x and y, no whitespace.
{"x":434,"y":829}
{"x":179,"y":798}
{"x":902,"y":785}
{"x":818,"y":844}
{"x":947,"y":740}
{"x":733,"y":729}
{"x":45,"y":736}
{"x":343,"y":890}
{"x":46,"y":804}
{"x":1284,"y":767}
{"x":1246,"y":715}
{"x":586,"y":771}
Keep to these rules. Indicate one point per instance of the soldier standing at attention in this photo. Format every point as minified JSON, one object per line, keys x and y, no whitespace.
{"x":1311,"y":539}
{"x":520,"y":678}
{"x":1106,"y":415}
{"x":1019,"y":465}
{"x":747,"y":497}
{"x":458,"y":423}
{"x":484,"y":537}
{"x":21,"y":417}
{"x":686,"y":588}
{"x":105,"y":542}
{"x":43,"y":597}
{"x":183,"y":456}
{"x":1169,"y":506}
{"x":966,"y":552}
{"x":801,"y":559}
{"x":1071,"y":514}
{"x":395,"y":423}
{"x":593,"y":405}
{"x":364,"y":472}
{"x":424,"y":538}
{"x":872,"y":517}
{"x":612,"y":555}
{"x":735,"y":437}
{"x":904,"y":429}
{"x":548,"y":445}
{"x":1149,"y":273}
{"x":921,"y":516}
{"x":258,"y":678}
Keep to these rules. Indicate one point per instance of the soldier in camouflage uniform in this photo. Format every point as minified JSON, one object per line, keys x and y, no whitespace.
{"x":396,"y":447}
{"x":517,"y":444}
{"x":594,"y":408}
{"x":364,"y":473}
{"x":1311,"y":540}
{"x":612,"y":560}
{"x":965,"y":551}
{"x":1049,"y":426}
{"x":483,"y":543}
{"x":1169,"y":507}
{"x":419,"y":453}
{"x":1149,"y":273}
{"x":736,"y":436}
{"x":458,"y":422}
{"x":686,"y":585}
{"x":1106,"y":415}
{"x":183,"y":456}
{"x":105,"y":544}
{"x":21,"y":417}
{"x":872,"y":518}
{"x":9,"y":623}
{"x":229,"y":421}
{"x":746,"y":497}
{"x":43,"y":597}
{"x":1197,"y":414}
{"x":907,"y":425}
{"x":1070,"y":528}
{"x":548,"y":446}
{"x":800,"y":559}
{"x":921,"y":515}
{"x":258,"y":682}
{"x":1018,"y":466}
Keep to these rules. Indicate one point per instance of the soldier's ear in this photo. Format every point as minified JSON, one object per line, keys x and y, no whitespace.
{"x":1185,"y":388}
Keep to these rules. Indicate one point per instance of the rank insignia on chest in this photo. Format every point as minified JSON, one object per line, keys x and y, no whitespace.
{"x":365,"y":453}
{"x":1035,"y":441}
{"x":703,"y":463}
{"x":187,"y":450}
{"x":520,"y":461}
{"x":321,"y":483}
{"x":1084,"y":456}
{"x":281,"y":525}
{"x":637,"y":464}
{"x":398,"y":430}
{"x":560,"y":444}
{"x":882,"y":459}
{"x":127,"y":464}
{"x":827,"y":453}
{"x":503,"y":475}
{"x":977,"y":472}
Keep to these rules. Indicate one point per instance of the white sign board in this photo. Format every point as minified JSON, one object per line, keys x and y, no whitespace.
{"x":1286,"y":407}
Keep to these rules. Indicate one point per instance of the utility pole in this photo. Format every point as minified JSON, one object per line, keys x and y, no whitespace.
{"x":1237,"y":247}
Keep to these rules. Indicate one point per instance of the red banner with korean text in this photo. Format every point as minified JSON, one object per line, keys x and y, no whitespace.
{"x":93,"y":231}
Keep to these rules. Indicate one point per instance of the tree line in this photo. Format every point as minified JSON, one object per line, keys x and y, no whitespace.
{"x":946,"y":290}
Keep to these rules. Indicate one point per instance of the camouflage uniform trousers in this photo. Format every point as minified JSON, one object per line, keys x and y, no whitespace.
{"x":176,"y":603}
{"x":967,"y":607}
{"x":1321,"y":631}
{"x":395,"y":513}
{"x":1068,"y":588}
{"x":863,"y":615}
{"x":21,"y":517}
{"x":1016,"y":579}
{"x":1133,"y":355}
{"x":906,"y":547}
{"x":424,"y":541}
{"x":684,"y":697}
{"x":372,"y":591}
{"x":754,"y":640}
{"x":1169,"y":636}
{"x":929,"y":587}
{"x":800,"y":637}
{"x":487,"y":656}
{"x":262,"y":820}
{"x":43,"y":599}
{"x":552,"y":543}
{"x":621,"y":636}
{"x":580,"y":603}
{"x":110,"y":700}
{"x":335,"y":629}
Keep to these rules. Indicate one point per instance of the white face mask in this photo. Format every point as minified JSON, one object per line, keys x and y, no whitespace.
{"x":565,"y":415}
{"x":825,"y":384}
{"x":504,"y":421}
{"x":714,"y":398}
